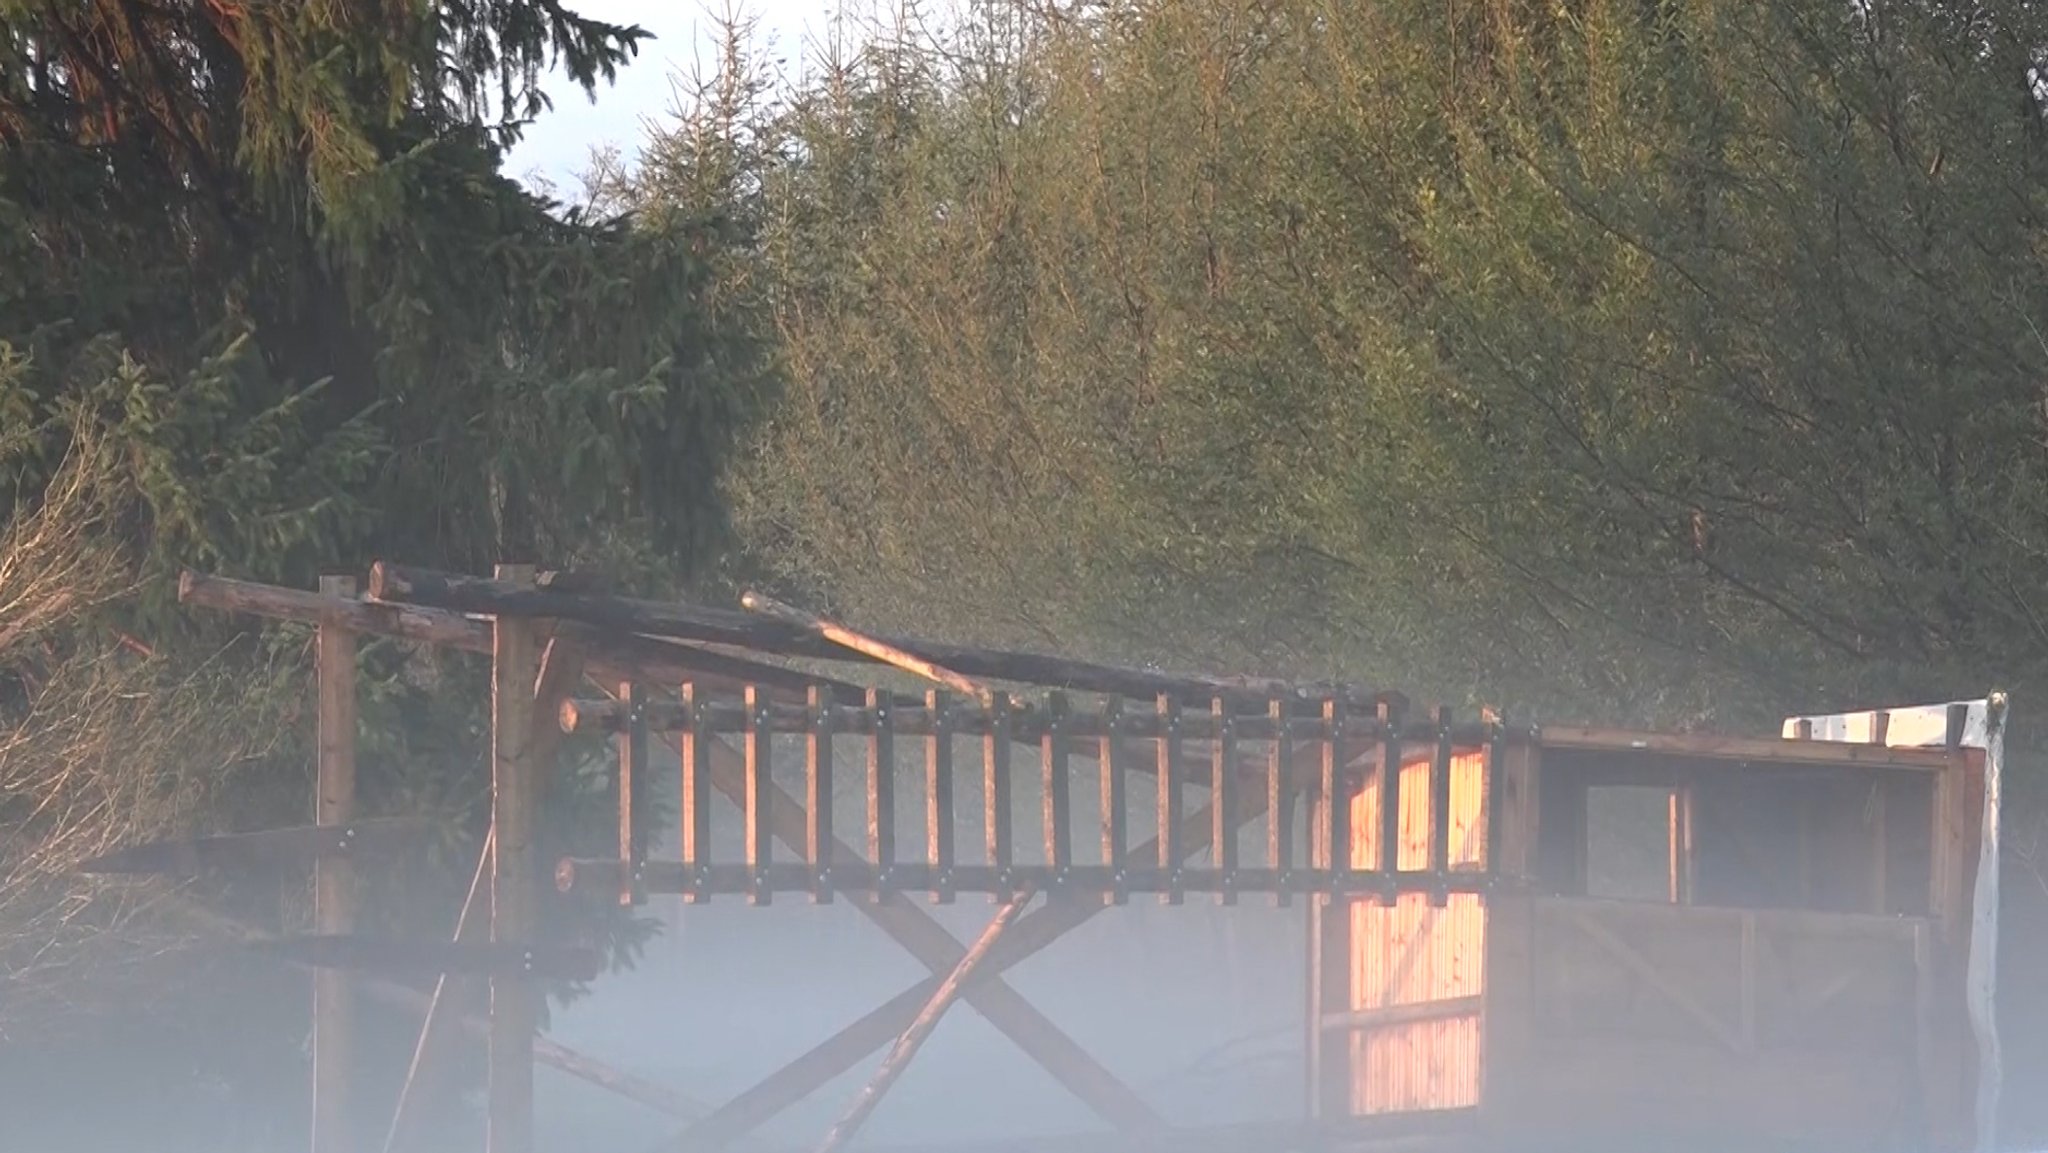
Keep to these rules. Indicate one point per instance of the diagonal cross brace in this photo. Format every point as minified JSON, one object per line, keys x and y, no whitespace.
{"x":850,"y":1045}
{"x":939,"y":951}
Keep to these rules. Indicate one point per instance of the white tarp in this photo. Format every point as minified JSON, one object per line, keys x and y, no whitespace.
{"x":1925,"y":725}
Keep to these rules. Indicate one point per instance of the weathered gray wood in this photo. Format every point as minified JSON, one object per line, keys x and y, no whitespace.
{"x":333,"y":880}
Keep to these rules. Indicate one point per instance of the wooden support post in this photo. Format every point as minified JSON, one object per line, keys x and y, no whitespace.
{"x":333,"y":877}
{"x":1280,"y":805}
{"x":632,"y":764}
{"x":818,"y":789}
{"x":561,"y":670}
{"x":1389,"y":861}
{"x":1684,"y":865}
{"x":938,"y":797}
{"x":696,"y":800}
{"x":514,"y":797}
{"x":1223,"y":806}
{"x":1336,"y":792}
{"x":1057,"y":817}
{"x":759,"y":756}
{"x":1440,"y":812}
{"x":996,"y":785}
{"x":921,"y":1028}
{"x":881,"y":789}
{"x":1116,"y":826}
{"x":1171,"y":772}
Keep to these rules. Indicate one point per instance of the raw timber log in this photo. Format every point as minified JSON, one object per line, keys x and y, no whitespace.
{"x":266,"y":848}
{"x":392,"y":583}
{"x":334,"y":897}
{"x":927,"y":1019}
{"x":859,"y":642}
{"x":515,"y":801}
{"x":561,"y":668}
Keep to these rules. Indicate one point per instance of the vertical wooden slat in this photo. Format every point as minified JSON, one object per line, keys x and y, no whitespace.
{"x":632,"y":743}
{"x":1223,"y":801}
{"x":760,"y":764}
{"x":1496,"y":770}
{"x":996,"y":787}
{"x":1440,"y":812}
{"x":881,"y":789}
{"x":1879,"y":821}
{"x":513,"y":897}
{"x":1390,"y":790}
{"x":1280,"y":805}
{"x":938,"y":794}
{"x":818,"y":799}
{"x":1337,"y":810}
{"x":696,"y":792}
{"x":333,"y":880}
{"x":1171,"y":802}
{"x":1057,"y":792}
{"x":1684,"y":865}
{"x":1116,"y":832}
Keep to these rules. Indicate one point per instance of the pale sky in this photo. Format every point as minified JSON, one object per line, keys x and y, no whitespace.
{"x":558,"y":146}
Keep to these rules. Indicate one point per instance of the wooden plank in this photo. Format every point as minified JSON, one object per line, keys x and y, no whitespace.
{"x":458,"y":593}
{"x":1223,"y":801}
{"x":1336,"y":791}
{"x":1683,"y":868}
{"x":514,"y":797}
{"x":940,"y":823}
{"x":921,"y":1027}
{"x":1389,"y":858}
{"x":1771,"y":750}
{"x":1410,"y":1013}
{"x":818,"y":800}
{"x":1496,"y":776}
{"x":1280,"y":856}
{"x":333,"y":878}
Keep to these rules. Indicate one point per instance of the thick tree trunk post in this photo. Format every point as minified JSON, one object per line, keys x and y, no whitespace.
{"x":333,"y":880}
{"x":514,"y":797}
{"x":921,"y":1028}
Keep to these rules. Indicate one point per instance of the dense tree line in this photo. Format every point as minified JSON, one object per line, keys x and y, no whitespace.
{"x":1673,"y":362}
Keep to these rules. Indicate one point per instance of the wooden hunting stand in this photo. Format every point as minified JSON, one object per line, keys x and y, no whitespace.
{"x":1780,"y":959}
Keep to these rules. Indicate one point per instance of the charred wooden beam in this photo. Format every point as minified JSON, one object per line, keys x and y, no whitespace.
{"x":870,"y":647}
{"x":264,"y":849}
{"x":393,"y":583}
{"x":399,"y":957}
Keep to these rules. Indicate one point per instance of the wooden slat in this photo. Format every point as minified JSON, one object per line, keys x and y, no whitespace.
{"x":1496,"y":795}
{"x":1280,"y":803}
{"x":996,"y":806}
{"x":514,"y":908}
{"x":1171,"y":777}
{"x":1337,"y":810}
{"x":818,"y":799}
{"x":333,"y":879}
{"x":881,"y":784}
{"x":1056,"y":788}
{"x":938,"y":791}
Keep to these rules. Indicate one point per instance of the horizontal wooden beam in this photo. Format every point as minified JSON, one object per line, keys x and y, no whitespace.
{"x":1768,"y":750}
{"x":267,"y":848}
{"x":1096,"y":882}
{"x":1389,"y":1016}
{"x":391,"y":583}
{"x":396,"y":956}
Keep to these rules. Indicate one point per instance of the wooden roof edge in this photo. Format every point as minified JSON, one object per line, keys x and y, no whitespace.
{"x":1780,"y":750}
